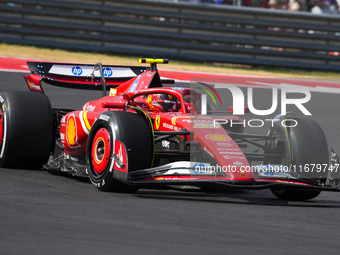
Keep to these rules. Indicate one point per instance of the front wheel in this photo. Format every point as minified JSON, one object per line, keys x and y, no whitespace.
{"x":307,"y":150}
{"x":294,"y":194}
{"x":119,"y":143}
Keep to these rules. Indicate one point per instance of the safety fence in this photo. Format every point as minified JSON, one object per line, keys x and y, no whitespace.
{"x":176,"y":30}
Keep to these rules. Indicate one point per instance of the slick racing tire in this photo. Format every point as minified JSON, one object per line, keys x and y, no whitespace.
{"x":133,"y":135}
{"x":26,"y":129}
{"x":294,"y":194}
{"x":309,"y":152}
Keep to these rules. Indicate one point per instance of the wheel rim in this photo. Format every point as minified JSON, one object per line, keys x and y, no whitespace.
{"x":100,"y":151}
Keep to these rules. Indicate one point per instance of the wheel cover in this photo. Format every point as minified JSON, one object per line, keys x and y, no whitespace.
{"x":101,"y":151}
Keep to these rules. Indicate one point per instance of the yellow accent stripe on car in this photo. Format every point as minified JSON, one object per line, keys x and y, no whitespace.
{"x":86,"y":120}
{"x":173,"y":120}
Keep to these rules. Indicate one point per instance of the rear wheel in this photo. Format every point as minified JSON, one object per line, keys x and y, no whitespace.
{"x":120,"y":141}
{"x":308,"y":152}
{"x":26,"y":129}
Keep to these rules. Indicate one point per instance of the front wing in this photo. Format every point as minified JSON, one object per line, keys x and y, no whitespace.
{"x":187,"y":173}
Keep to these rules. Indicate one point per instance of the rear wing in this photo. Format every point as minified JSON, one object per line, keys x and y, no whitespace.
{"x":78,"y":76}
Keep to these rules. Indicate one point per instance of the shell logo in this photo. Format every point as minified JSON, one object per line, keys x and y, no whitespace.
{"x":217,"y":137}
{"x":71,"y":132}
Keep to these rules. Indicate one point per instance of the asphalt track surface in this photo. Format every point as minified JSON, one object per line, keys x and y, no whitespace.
{"x":44,"y":213}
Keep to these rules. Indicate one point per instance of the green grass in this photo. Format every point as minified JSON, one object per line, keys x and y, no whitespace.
{"x":59,"y":55}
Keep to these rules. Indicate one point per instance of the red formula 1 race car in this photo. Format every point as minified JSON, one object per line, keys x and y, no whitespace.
{"x":144,"y":134}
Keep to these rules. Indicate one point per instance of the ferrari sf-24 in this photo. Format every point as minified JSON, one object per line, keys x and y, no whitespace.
{"x":146,"y":132}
